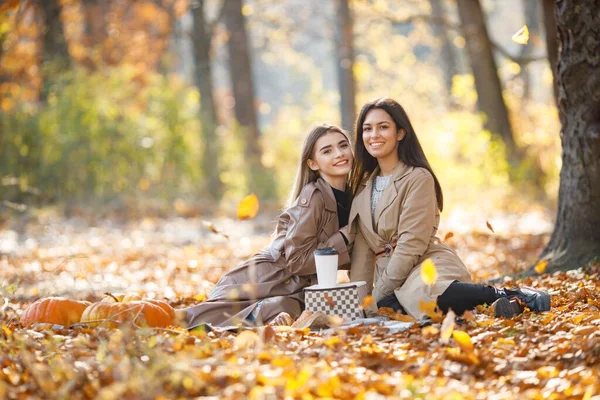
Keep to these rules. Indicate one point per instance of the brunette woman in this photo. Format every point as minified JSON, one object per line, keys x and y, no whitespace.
{"x":269,"y":286}
{"x":395,"y":216}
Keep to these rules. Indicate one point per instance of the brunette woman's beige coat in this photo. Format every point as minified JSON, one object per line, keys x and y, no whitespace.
{"x":406,"y":216}
{"x":272,"y":280}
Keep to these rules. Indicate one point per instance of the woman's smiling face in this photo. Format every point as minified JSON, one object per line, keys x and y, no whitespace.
{"x":380,"y":135}
{"x":332,"y":156}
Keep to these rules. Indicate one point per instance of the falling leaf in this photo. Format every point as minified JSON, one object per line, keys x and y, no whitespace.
{"x":329,"y":300}
{"x":211,"y":227}
{"x":489,"y":226}
{"x":448,"y":236}
{"x":521,"y":36}
{"x":367,"y":301}
{"x":541,"y":266}
{"x":428,"y":272}
{"x":464,"y":341}
{"x":248,"y":207}
{"x":448,"y":326}
{"x":431,"y":309}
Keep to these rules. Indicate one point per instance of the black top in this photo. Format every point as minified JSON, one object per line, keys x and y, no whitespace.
{"x":343,"y":206}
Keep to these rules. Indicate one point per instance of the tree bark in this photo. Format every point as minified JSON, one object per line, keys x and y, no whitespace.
{"x":487,"y":83}
{"x":576,"y":237}
{"x":242,"y":82}
{"x":448,"y":61}
{"x":54,"y":41}
{"x":344,"y":49}
{"x":532,"y":20}
{"x":549,"y":9}
{"x":208,"y":112}
{"x":55,"y":48}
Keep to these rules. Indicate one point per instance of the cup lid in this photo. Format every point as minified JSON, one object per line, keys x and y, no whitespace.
{"x":325,"y":251}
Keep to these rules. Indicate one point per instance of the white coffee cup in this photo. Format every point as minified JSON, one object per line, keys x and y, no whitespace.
{"x":326,"y":261}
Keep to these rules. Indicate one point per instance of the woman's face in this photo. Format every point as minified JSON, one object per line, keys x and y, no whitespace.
{"x":380,"y":135}
{"x":332,"y":156}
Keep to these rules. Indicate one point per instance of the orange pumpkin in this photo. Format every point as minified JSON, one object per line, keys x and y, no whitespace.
{"x":54,"y":310}
{"x":114,"y":313}
{"x":126,"y":298}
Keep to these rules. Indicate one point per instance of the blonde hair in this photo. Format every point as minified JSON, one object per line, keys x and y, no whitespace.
{"x":304,"y":174}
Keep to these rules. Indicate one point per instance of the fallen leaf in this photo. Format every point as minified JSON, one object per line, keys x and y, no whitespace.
{"x":521,"y":36}
{"x":248,"y":207}
{"x":247,"y":340}
{"x":428,"y":272}
{"x":489,"y":226}
{"x":448,"y":236}
{"x":396,"y":316}
{"x":431,"y":309}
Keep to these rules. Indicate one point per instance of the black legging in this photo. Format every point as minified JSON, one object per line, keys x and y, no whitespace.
{"x":459,"y":297}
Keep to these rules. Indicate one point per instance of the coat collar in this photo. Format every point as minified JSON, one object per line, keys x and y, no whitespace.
{"x":328,"y":196}
{"x":362,"y":202}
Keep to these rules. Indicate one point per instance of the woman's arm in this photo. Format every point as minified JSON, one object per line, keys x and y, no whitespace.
{"x":363,"y":261}
{"x":415,"y":228}
{"x":302,"y":236}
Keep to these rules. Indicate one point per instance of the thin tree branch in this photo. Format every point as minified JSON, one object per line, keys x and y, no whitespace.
{"x":442,"y":21}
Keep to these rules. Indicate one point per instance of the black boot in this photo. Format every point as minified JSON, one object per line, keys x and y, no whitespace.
{"x":505,"y":308}
{"x":535,"y":299}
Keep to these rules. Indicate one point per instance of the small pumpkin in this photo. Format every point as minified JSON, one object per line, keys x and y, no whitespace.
{"x":141,"y":312}
{"x":126,"y":298}
{"x":54,"y":310}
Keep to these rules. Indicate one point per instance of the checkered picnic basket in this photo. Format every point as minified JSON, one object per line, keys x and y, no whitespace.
{"x":344,"y":300}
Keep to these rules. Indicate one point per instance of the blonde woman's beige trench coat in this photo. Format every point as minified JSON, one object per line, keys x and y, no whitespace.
{"x":406,"y":216}
{"x":272,"y":280}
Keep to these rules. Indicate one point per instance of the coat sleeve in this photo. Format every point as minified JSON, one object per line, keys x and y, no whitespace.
{"x":415,"y":227}
{"x":302,"y":237}
{"x":363,"y":261}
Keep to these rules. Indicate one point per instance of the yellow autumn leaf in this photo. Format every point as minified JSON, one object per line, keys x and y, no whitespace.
{"x":464,"y":341}
{"x":248,"y":207}
{"x":431,"y":310}
{"x":428,"y":272}
{"x":541,"y":266}
{"x":247,"y":340}
{"x":521,"y":36}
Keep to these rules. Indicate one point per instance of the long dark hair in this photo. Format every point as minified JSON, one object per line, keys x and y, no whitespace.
{"x":304,"y":174}
{"x":410,"y":151}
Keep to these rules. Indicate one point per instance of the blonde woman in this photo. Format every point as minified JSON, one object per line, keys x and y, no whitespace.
{"x":268,"y":287}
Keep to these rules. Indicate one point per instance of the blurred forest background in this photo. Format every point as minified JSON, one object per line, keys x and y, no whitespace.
{"x":182,"y":106}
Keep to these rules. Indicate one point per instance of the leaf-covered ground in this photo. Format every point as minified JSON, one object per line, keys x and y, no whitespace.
{"x":550,"y":355}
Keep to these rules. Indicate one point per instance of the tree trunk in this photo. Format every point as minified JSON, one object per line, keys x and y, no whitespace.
{"x":242,"y":82}
{"x":551,"y":40}
{"x":55,"y":47}
{"x":54,"y":41}
{"x":487,"y":83}
{"x":202,"y":59}
{"x":448,"y":62}
{"x":344,"y":49}
{"x":576,"y":237}
{"x":532,"y":20}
